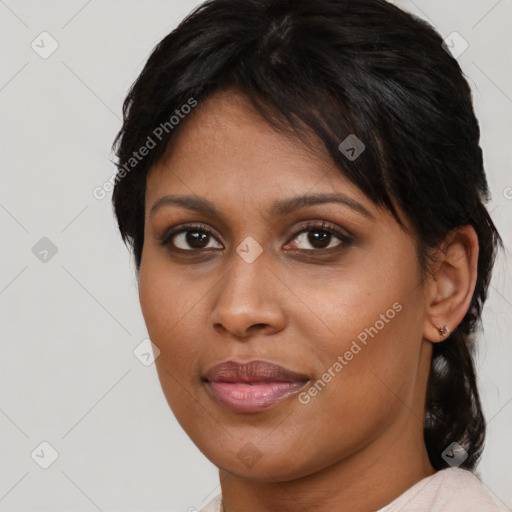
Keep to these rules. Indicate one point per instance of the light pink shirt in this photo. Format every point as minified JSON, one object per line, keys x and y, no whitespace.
{"x":448,"y":490}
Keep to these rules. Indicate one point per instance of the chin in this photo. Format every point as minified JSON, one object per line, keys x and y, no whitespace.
{"x":262,"y":463}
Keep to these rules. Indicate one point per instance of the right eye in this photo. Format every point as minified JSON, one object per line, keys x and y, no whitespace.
{"x":190,"y":238}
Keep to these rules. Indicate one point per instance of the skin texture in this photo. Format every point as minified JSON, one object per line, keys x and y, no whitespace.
{"x":358,"y":443}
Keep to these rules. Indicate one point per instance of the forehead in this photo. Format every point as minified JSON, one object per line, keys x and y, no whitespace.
{"x":226,"y":147}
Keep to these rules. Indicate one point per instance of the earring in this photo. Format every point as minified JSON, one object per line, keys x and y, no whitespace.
{"x":443,"y":330}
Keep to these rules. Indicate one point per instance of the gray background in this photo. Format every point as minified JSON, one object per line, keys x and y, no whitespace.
{"x":71,"y":321}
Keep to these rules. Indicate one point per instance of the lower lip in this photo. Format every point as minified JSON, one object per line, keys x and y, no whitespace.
{"x":255,"y":397}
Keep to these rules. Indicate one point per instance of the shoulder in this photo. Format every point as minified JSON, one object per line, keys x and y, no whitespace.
{"x":213,"y":505}
{"x":460,"y":488}
{"x":448,"y":490}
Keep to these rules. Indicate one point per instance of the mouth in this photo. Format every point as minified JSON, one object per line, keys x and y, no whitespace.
{"x":253,"y":386}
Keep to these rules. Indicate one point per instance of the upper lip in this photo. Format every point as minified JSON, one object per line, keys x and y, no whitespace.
{"x":253,"y":371}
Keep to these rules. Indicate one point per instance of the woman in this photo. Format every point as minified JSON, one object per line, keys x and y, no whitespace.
{"x":303,"y":189}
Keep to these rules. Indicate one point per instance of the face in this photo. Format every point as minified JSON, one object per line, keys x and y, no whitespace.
{"x":327,"y":289}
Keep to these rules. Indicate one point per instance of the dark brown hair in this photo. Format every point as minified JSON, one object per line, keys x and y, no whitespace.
{"x":340,"y":67}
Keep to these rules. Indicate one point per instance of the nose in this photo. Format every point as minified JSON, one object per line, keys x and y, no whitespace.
{"x":247,"y":299}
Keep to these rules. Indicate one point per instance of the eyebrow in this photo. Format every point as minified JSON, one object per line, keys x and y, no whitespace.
{"x":279,"y":208}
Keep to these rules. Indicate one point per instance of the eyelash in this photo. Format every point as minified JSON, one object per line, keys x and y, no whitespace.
{"x":309,"y":226}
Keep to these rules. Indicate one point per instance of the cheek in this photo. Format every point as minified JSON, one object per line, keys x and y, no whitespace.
{"x":362,"y":387}
{"x":167,"y":303}
{"x":365,"y":335}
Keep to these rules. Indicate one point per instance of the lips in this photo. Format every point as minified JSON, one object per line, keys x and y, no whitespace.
{"x":253,"y":371}
{"x":253,"y":386}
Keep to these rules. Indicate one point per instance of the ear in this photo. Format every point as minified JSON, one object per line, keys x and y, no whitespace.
{"x":451,"y":283}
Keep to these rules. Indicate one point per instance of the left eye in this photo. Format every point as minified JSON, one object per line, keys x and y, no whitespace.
{"x":320,"y":237}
